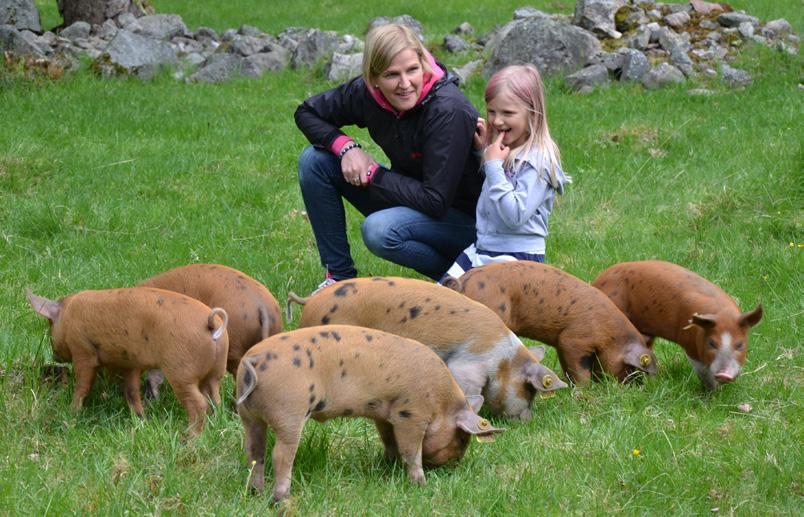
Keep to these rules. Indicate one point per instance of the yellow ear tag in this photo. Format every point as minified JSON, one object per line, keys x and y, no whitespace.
{"x":547,"y":394}
{"x":644,"y":360}
{"x":547,"y":381}
{"x":485,"y":438}
{"x":483,"y":423}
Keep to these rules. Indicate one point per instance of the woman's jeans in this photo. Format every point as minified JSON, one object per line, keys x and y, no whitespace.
{"x":396,"y":233}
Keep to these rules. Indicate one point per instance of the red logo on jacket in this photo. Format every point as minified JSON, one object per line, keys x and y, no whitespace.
{"x":416,"y":155}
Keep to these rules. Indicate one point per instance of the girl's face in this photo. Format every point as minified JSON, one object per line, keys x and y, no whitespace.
{"x":401,"y":82}
{"x":508,"y":115}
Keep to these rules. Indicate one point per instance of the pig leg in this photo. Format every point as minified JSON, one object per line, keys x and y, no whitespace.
{"x":283,"y":455}
{"x":386,"y":431}
{"x":155,"y":379}
{"x":577,"y":362}
{"x":409,"y":439}
{"x":211,"y":389}
{"x":193,"y":401}
{"x":131,"y":390}
{"x":255,"y":449}
{"x":84,"y":375}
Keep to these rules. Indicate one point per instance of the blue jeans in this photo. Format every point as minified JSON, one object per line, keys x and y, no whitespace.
{"x":396,"y":233}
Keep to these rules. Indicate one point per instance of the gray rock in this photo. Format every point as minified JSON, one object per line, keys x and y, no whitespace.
{"x":708,"y":24}
{"x":588,"y":79}
{"x":455,"y":44}
{"x":184,"y":45}
{"x":529,"y":12}
{"x":228,"y":35}
{"x":734,"y":19}
{"x":206,"y":33}
{"x":464,"y":28}
{"x":552,"y":46}
{"x":677,"y":20}
{"x":130,"y":50}
{"x":640,"y":39}
{"x":344,"y":66}
{"x":274,"y":60}
{"x":107,"y":30}
{"x":129,"y":22}
{"x":194,"y":58}
{"x":250,"y":30}
{"x":671,"y":40}
{"x":733,"y":77}
{"x":662,"y":75}
{"x":162,"y":26}
{"x":76,"y":31}
{"x":776,"y":28}
{"x":613,"y":61}
{"x":635,"y":65}
{"x":634,"y":20}
{"x":700,"y":92}
{"x":598,"y":16}
{"x":746,"y":30}
{"x":308,"y":46}
{"x":217,"y":68}
{"x":681,"y":60}
{"x":247,"y":45}
{"x":21,"y":14}
{"x":12,"y":41}
{"x":404,"y":19}
{"x":467,"y":70}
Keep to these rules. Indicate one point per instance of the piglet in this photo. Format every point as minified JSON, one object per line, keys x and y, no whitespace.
{"x":253,"y":311}
{"x":665,"y":300}
{"x":134,"y":329}
{"x":484,"y":356}
{"x":542,"y":302}
{"x":339,"y":370}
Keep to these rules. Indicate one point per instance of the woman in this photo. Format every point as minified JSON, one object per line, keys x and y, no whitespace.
{"x":420,"y":210}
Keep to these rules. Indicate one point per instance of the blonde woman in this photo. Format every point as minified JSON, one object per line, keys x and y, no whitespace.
{"x":420,"y":209}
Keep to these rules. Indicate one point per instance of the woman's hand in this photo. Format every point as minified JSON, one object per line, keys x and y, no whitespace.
{"x":355,"y":165}
{"x":497,"y":150}
{"x":481,"y":135}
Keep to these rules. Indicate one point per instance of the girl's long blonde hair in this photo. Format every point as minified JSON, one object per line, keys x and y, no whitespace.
{"x":524,"y":83}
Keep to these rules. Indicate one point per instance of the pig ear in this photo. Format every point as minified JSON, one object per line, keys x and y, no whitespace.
{"x":543,"y":378}
{"x":705,"y":321}
{"x":749,"y":319}
{"x":47,"y":308}
{"x":452,"y":283}
{"x":474,"y":424}
{"x":475,"y":402}
{"x":538,"y":351}
{"x":640,"y":357}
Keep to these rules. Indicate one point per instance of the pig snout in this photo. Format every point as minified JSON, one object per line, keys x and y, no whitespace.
{"x":725,"y":377}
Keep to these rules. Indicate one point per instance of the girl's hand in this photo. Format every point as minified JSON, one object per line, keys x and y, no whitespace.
{"x":497,"y":150}
{"x":355,"y":165}
{"x":481,"y":134}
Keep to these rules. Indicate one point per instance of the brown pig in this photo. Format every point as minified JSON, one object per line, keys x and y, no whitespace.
{"x":339,"y":370}
{"x":484,"y":356}
{"x":253,"y":311}
{"x":134,"y":329}
{"x":542,"y":302}
{"x":665,"y":300}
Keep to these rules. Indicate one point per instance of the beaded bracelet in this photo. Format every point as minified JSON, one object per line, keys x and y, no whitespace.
{"x":348,"y":147}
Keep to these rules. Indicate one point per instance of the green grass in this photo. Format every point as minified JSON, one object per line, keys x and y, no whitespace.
{"x":106,"y":182}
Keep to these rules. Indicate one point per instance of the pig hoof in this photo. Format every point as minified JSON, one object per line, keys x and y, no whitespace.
{"x":417,"y":477}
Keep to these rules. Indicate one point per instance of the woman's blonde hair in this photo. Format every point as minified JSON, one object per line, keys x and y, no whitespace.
{"x":383,"y":43}
{"x":525,"y":85}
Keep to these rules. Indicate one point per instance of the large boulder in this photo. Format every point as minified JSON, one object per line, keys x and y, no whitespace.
{"x":130,"y":51}
{"x":552,"y":46}
{"x":598,"y":16}
{"x":22,"y":14}
{"x":12,"y":40}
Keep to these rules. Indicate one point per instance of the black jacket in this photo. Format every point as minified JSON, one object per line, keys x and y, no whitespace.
{"x":433,"y":166}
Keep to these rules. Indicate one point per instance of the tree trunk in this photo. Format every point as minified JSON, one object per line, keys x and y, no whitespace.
{"x":97,"y":11}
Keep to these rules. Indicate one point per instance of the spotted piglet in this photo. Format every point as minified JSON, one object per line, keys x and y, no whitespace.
{"x":339,"y":370}
{"x":253,"y":311}
{"x":542,"y":302}
{"x":484,"y":356}
{"x":668,"y":301}
{"x":135,"y":329}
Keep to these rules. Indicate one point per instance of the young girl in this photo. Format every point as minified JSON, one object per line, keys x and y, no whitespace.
{"x":523,"y":172}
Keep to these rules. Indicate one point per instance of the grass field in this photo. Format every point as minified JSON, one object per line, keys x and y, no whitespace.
{"x":106,"y":182}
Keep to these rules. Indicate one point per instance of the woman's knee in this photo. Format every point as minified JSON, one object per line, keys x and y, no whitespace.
{"x":316,"y":165}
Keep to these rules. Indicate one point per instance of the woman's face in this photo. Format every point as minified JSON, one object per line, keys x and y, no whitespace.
{"x":401,"y":82}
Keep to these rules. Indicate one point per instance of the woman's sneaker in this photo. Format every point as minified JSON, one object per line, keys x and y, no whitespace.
{"x":328,"y":281}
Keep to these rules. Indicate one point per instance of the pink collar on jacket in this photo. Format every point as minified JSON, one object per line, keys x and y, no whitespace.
{"x":429,"y":81}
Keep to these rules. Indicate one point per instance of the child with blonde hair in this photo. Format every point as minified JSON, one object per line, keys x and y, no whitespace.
{"x":523,"y":172}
